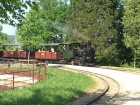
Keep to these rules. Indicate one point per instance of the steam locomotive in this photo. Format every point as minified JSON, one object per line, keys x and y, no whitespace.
{"x":79,"y":54}
{"x":69,"y":53}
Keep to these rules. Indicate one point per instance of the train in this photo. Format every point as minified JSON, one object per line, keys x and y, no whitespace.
{"x":69,"y":53}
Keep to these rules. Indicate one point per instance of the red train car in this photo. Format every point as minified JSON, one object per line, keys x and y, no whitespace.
{"x":14,"y":54}
{"x":48,"y":55}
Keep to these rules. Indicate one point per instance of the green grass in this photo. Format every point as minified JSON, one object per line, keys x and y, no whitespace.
{"x":136,"y":70}
{"x":59,"y":88}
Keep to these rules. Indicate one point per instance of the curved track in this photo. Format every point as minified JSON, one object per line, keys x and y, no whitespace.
{"x":129,"y":93}
{"x":107,"y":89}
{"x":110,"y":93}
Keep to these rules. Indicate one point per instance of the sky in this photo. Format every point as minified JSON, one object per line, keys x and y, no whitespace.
{"x":8,"y":29}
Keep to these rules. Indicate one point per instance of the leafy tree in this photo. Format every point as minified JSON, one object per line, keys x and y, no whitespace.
{"x":31,"y":30}
{"x":95,"y":20}
{"x":4,"y":38}
{"x":53,"y":15}
{"x":125,"y":54}
{"x":11,"y":10}
{"x":131,"y":23}
{"x":44,"y":25}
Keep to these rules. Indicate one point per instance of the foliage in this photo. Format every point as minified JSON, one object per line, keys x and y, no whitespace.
{"x":12,"y":10}
{"x":30,"y":31}
{"x":125,"y":54}
{"x":53,"y":15}
{"x":44,"y":25}
{"x":59,"y":88}
{"x":4,"y":38}
{"x":131,"y":23}
{"x":95,"y":20}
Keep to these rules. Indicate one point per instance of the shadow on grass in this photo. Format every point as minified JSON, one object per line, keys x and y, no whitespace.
{"x":40,"y":98}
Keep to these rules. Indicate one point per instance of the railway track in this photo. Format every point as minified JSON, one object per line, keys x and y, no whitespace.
{"x":107,"y":90}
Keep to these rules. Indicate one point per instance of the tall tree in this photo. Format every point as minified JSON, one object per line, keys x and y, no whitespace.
{"x":131,"y":23}
{"x":44,"y":25}
{"x":53,"y":15}
{"x":125,"y":54}
{"x":31,"y":30}
{"x":95,"y":20}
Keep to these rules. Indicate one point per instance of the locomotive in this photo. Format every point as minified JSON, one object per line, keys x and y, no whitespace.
{"x":79,"y":54}
{"x":86,"y":55}
{"x":68,"y":53}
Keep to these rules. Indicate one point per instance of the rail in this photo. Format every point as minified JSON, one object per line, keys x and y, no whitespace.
{"x":11,"y":79}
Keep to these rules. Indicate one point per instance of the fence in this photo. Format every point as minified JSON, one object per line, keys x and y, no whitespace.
{"x":11,"y":78}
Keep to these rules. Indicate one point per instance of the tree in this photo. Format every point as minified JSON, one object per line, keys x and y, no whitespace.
{"x":30,"y":31}
{"x":131,"y":23}
{"x":44,"y":25}
{"x":125,"y":54}
{"x":53,"y":15}
{"x":12,"y":11}
{"x":95,"y":20}
{"x":3,"y":38}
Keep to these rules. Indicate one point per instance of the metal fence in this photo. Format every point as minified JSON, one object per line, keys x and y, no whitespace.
{"x":26,"y":75}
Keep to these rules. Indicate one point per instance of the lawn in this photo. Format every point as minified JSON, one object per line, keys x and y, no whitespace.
{"x":59,"y":88}
{"x":130,"y":69}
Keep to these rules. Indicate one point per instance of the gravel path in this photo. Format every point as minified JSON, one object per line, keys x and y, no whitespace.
{"x":129,"y":93}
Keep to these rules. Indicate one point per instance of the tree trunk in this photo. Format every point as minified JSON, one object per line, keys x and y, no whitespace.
{"x":135,"y":58}
{"x":28,"y":56}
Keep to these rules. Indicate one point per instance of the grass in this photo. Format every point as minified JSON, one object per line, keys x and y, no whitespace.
{"x":59,"y":88}
{"x":136,"y":70}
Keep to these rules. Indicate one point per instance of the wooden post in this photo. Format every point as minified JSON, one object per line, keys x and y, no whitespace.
{"x":9,"y":64}
{"x":21,"y":65}
{"x":39,"y":71}
{"x":33,"y":75}
{"x":28,"y":56}
{"x":45,"y":70}
{"x":13,"y":80}
{"x":33,"y":65}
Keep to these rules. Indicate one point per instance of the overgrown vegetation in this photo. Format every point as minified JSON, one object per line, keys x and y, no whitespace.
{"x":59,"y":88}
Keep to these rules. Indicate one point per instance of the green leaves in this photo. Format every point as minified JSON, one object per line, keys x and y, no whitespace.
{"x":95,"y":20}
{"x":13,"y":11}
{"x":131,"y":23}
{"x":53,"y":14}
{"x":31,"y":30}
{"x":44,"y":25}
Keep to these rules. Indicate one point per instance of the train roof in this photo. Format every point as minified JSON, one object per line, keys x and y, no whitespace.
{"x":11,"y":44}
{"x":56,"y":44}
{"x":50,"y":44}
{"x":70,"y":43}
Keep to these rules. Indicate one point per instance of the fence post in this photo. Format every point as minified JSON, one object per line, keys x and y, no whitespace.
{"x":21,"y":65}
{"x":39,"y":71}
{"x":13,"y":80}
{"x":33,"y":75}
{"x":9,"y":64}
{"x":45,"y":70}
{"x":33,"y":65}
